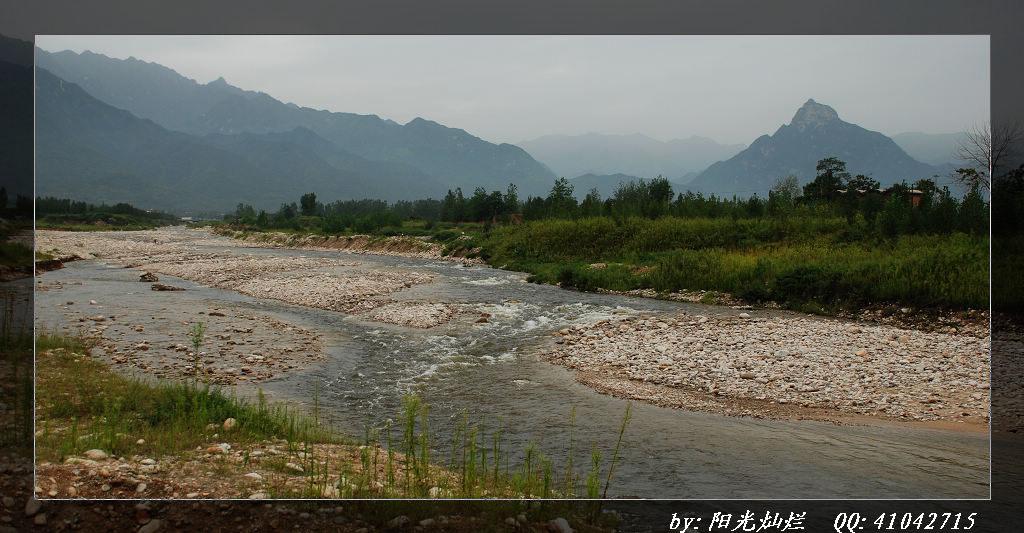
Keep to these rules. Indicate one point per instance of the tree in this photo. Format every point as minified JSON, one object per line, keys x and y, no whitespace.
{"x":561,"y":202}
{"x":860,"y":182}
{"x":287,"y":211}
{"x":591,"y":206}
{"x":782,"y":195}
{"x":511,"y":199}
{"x":986,"y":149}
{"x":974,"y":212}
{"x":245,"y":211}
{"x":308,"y":202}
{"x":831,"y":176}
{"x":971,"y":178}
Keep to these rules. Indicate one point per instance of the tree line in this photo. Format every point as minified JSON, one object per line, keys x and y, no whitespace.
{"x":918,"y":208}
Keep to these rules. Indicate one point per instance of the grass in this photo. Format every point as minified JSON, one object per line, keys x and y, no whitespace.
{"x":798,"y":263}
{"x":82,"y":404}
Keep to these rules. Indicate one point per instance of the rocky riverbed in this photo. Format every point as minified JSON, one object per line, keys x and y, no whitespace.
{"x":765,"y":364}
{"x":307,"y":281}
{"x":783,"y":367}
{"x":239,"y":344}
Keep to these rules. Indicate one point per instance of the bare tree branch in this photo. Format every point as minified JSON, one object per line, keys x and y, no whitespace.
{"x":986,"y":149}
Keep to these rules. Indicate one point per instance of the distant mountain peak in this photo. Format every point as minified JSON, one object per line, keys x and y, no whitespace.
{"x":813,"y":114}
{"x":219,"y":81}
{"x":815,"y":133}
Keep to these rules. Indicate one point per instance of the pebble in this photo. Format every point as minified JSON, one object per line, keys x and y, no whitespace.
{"x":32,"y":506}
{"x":95,"y":455}
{"x":397,"y":522}
{"x":562,"y":525}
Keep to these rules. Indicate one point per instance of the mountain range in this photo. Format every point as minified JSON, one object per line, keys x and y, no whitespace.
{"x":111,"y":130}
{"x":604,"y":183}
{"x":931,"y":148}
{"x":374,"y":157}
{"x":816,"y":132}
{"x":677,"y":160}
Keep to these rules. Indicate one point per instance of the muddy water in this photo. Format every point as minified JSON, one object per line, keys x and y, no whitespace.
{"x":491,"y":371}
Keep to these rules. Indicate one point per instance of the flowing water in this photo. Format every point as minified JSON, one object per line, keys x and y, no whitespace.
{"x":492,"y":372}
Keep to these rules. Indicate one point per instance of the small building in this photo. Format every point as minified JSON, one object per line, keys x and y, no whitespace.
{"x":913,"y":194}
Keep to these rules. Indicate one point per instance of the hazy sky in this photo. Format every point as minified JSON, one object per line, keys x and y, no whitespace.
{"x":514,"y":88}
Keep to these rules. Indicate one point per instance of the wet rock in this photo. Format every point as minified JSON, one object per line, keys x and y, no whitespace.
{"x":149,"y":277}
{"x":162,"y":287}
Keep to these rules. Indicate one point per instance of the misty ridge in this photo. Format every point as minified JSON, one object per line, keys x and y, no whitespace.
{"x":111,"y":130}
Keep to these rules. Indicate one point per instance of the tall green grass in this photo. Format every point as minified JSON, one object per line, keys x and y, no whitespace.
{"x":799,"y":262}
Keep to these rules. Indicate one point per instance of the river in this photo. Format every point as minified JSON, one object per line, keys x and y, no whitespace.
{"x":492,"y":372}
